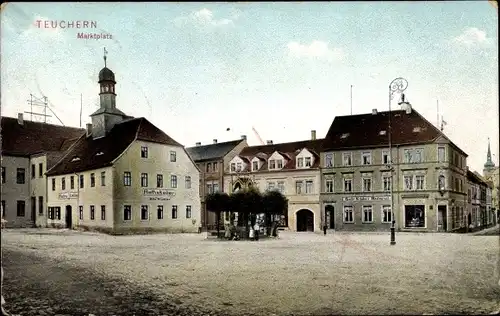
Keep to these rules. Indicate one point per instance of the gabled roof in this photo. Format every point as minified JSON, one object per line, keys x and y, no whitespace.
{"x":371,"y":130}
{"x":101,"y":152}
{"x":288,"y":150}
{"x":35,"y":137}
{"x":212,"y":151}
{"x":474,"y":177}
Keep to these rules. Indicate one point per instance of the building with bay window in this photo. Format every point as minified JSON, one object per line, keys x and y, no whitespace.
{"x":291,"y":168}
{"x":123,"y":175}
{"x":426,"y":180}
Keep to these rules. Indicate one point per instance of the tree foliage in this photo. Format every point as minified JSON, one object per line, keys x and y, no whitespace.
{"x":274,"y":203}
{"x":217,"y":202}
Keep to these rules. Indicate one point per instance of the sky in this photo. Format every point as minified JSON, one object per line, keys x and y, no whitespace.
{"x":197,"y":69}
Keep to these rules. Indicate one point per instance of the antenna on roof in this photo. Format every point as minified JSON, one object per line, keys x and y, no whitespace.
{"x":105,"y":53}
{"x":351,"y":99}
{"x":81,"y":107}
{"x":41,"y":102}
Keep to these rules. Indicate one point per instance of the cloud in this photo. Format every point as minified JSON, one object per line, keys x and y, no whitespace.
{"x":205,"y":17}
{"x":317,"y":49}
{"x":473,"y":37}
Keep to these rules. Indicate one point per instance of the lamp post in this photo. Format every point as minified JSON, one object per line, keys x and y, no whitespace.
{"x":397,"y":85}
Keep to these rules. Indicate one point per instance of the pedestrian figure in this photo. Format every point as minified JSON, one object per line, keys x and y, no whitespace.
{"x":324,"y":229}
{"x":256,"y":229}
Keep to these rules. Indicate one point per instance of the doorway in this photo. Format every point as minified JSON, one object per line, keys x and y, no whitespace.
{"x":69,"y":217}
{"x":33,"y":210}
{"x":330,"y":216}
{"x":305,"y":221}
{"x":442,"y":215}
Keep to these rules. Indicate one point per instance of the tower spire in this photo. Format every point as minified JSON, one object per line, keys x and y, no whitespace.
{"x":489,"y":162}
{"x":105,"y":53}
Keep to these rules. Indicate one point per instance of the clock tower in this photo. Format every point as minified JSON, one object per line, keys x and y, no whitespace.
{"x":107,"y":115}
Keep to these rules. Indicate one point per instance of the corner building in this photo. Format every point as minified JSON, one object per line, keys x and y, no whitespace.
{"x":124,"y":175}
{"x":428,"y":174}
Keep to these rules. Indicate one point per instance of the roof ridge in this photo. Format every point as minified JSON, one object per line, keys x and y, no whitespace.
{"x":41,"y":123}
{"x":68,"y":151}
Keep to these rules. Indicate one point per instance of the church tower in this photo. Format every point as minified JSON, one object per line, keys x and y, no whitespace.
{"x":489,"y":166}
{"x":107,"y":115}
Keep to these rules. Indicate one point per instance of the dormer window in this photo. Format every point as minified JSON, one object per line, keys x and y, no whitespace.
{"x":99,"y":153}
{"x":345,"y":135}
{"x":300,"y":162}
{"x":308,"y":161}
{"x":382,"y":133}
{"x":75,"y":159}
{"x":279,"y":164}
{"x":417,"y":129}
{"x":233,"y":167}
{"x":272,"y":164}
{"x":239,"y":167}
{"x":255,"y":165}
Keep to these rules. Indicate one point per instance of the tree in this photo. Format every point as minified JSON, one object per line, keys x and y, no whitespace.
{"x":217,"y":202}
{"x":274,"y":203}
{"x":246,"y":203}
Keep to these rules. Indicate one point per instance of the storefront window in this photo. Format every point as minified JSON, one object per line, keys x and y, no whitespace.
{"x":414,"y":216}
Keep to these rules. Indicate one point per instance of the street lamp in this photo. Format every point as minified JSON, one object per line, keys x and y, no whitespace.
{"x":397,"y":85}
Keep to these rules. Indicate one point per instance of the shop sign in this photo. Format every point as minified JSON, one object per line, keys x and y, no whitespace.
{"x":158,"y":194}
{"x":366,"y":198}
{"x":68,"y":195}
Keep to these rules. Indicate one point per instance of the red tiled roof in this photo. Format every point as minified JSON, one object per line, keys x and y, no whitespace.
{"x":35,"y":137}
{"x":288,"y":150}
{"x":109,"y":147}
{"x":364,"y":130}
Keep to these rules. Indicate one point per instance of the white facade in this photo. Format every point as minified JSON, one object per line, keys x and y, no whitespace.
{"x":16,"y":192}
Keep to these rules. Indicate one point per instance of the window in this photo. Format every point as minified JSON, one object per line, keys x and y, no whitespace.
{"x":20,"y":177}
{"x":144,"y":152}
{"x":348,"y":214}
{"x":309,"y":187}
{"x":255,"y":165}
{"x":300,"y":162}
{"x":144,"y":213}
{"x":367,"y":184}
{"x":159,"y":212}
{"x":408,"y":156}
{"x":386,"y":181}
{"x":366,"y":158}
{"x":270,"y":186}
{"x":414,"y":216}
{"x":40,"y":170}
{"x":72,"y":182}
{"x":347,"y":185}
{"x":210,"y":189}
{"x":103,"y":212}
{"x":3,"y":208}
{"x":33,"y":171}
{"x":279,"y":164}
{"x":127,"y":212}
{"x":173,"y":156}
{"x":216,"y":187}
{"x":127,"y":179}
{"x":419,"y":182}
{"x":347,"y":159}
{"x":3,"y":174}
{"x":92,"y":180}
{"x":329,"y":160}
{"x":103,"y":178}
{"x":329,"y":185}
{"x":144,"y":180}
{"x":386,"y":214}
{"x":272,"y":164}
{"x":298,"y":187}
{"x":408,"y":182}
{"x":188,"y":211}
{"x":40,"y":205}
{"x":58,"y":212}
{"x":281,"y":186}
{"x":188,"y":182}
{"x":239,"y":167}
{"x":385,"y":157}
{"x":215,"y":166}
{"x":51,"y":213}
{"x":63,"y":183}
{"x":233,"y":167}
{"x":33,"y":206}
{"x":419,"y":155}
{"x":441,"y":182}
{"x":53,"y":184}
{"x":308,"y":161}
{"x":92,"y":212}
{"x":367,"y":214}
{"x":208,"y":167}
{"x":159,"y":181}
{"x":173,"y":181}
{"x":81,"y":181}
{"x":80,"y":212}
{"x":174,"y":211}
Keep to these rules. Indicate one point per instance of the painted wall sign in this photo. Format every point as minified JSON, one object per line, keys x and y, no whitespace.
{"x":68,"y":195}
{"x":366,"y":198}
{"x":159,"y":194}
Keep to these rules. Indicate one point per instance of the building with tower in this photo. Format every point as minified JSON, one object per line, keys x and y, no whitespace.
{"x":123,"y":175}
{"x":491,"y":175}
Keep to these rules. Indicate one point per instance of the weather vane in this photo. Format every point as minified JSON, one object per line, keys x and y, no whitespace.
{"x":105,"y":52}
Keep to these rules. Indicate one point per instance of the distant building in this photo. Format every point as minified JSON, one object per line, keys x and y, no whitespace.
{"x":491,"y":174}
{"x":428,"y":173}
{"x":124,"y":175}
{"x":28,"y":149}
{"x":291,"y":168}
{"x":213,"y":162}
{"x":479,"y":213}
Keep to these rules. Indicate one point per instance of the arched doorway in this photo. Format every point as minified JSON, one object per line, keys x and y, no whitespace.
{"x":69,"y":217}
{"x":237,"y":187}
{"x":305,"y":221}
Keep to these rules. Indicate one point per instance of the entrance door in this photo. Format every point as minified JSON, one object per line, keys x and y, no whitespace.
{"x":330,"y":216}
{"x":33,"y":210}
{"x":69,"y":218}
{"x":305,"y":221}
{"x":442,"y":218}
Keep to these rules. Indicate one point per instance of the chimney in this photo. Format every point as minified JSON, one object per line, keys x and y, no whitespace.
{"x":20,"y":119}
{"x":408,"y":108}
{"x":313,"y":134}
{"x":244,"y":137}
{"x":374,"y":112}
{"x":89,"y":129}
{"x":198,"y":144}
{"x":215,"y":141}
{"x":269,"y":142}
